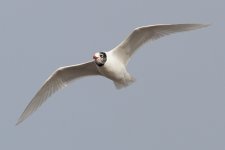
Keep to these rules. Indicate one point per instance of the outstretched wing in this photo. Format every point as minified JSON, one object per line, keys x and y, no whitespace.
{"x":148,"y":33}
{"x":58,"y":80}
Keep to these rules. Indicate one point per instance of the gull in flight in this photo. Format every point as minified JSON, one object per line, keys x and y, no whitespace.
{"x":111,"y":64}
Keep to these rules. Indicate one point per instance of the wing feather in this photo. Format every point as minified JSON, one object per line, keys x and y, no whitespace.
{"x":149,"y":33}
{"x":58,"y":80}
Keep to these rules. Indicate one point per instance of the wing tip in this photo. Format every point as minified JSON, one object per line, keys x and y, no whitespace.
{"x":202,"y":25}
{"x":19,"y":121}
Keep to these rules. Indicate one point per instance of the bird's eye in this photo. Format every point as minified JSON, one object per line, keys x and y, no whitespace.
{"x":101,"y":55}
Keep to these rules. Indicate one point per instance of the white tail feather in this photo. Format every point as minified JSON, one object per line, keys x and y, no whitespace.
{"x":123,"y":84}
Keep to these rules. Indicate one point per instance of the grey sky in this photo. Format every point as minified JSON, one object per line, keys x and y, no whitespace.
{"x":177,"y":102}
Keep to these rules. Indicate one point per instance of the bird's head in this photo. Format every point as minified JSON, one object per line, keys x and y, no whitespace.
{"x":100,"y":58}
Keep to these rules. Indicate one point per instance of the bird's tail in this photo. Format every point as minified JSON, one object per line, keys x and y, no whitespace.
{"x":124,"y":83}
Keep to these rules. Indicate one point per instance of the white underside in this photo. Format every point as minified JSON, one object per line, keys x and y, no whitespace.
{"x":116,"y":71}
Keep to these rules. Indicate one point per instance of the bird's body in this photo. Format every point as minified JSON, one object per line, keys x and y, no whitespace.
{"x":115,"y":70}
{"x":111,"y":64}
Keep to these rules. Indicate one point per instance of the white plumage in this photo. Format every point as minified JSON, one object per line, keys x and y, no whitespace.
{"x":111,"y":64}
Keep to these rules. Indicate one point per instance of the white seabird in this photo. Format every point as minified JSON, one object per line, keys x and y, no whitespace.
{"x":111,"y":64}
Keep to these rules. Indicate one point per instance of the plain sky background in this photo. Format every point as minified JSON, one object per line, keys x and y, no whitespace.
{"x":177,"y":102}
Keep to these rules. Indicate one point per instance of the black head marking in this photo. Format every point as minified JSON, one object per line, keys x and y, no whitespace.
{"x":102,"y":59}
{"x":103,"y":56}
